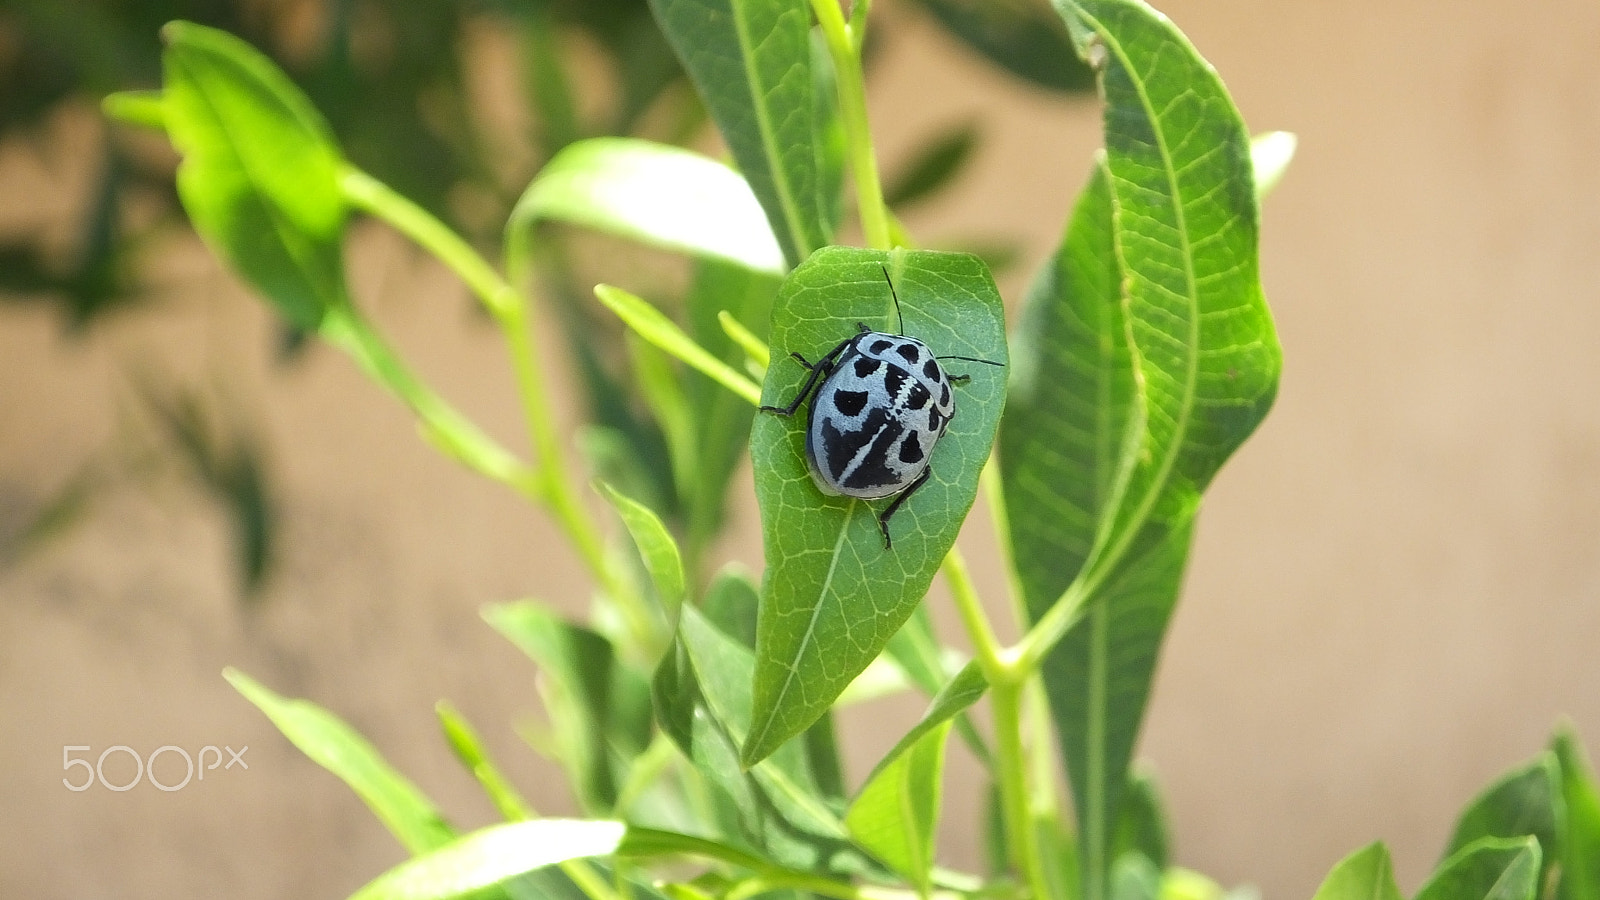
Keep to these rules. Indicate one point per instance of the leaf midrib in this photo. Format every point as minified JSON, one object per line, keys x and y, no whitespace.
{"x":1181,"y":421}
{"x":769,"y":144}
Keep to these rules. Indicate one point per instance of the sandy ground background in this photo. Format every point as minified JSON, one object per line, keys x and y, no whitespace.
{"x":1395,"y":592}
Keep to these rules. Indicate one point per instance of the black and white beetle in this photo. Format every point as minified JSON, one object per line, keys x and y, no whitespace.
{"x":882,"y":403}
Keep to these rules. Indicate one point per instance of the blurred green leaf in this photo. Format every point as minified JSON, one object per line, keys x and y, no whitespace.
{"x":932,"y":167}
{"x":1524,"y":801}
{"x":656,"y":546}
{"x":468,"y":748}
{"x":1142,"y":822}
{"x":335,"y":746}
{"x":833,"y":595}
{"x":1580,"y":833}
{"x":1135,"y":878}
{"x":752,"y":62}
{"x":260,"y":170}
{"x":1270,"y":155}
{"x":653,"y":193}
{"x":1020,"y":36}
{"x":653,"y":325}
{"x":731,"y":602}
{"x":491,"y":855}
{"x":601,"y":705}
{"x":1366,"y":874}
{"x":1487,"y":869}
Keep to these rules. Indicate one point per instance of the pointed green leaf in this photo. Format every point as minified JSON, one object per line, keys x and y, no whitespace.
{"x":896,"y":815}
{"x":334,"y":745}
{"x":1142,"y":822}
{"x":652,"y":325}
{"x":598,"y":707}
{"x":1186,"y":238}
{"x":752,"y":62}
{"x":933,"y":166}
{"x":1366,"y":874}
{"x":260,"y":169}
{"x":833,"y":594}
{"x":1524,"y":801}
{"x":654,"y":193}
{"x":491,"y":855}
{"x":655,"y":543}
{"x":1580,"y":836}
{"x":468,"y":748}
{"x":1487,"y":869}
{"x":1135,"y":878}
{"x":1020,"y":36}
{"x":731,"y":602}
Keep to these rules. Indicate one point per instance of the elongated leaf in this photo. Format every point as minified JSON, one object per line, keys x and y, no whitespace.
{"x":1366,"y":874}
{"x":655,"y":543}
{"x":752,"y":62}
{"x":652,"y":325}
{"x":657,"y":194}
{"x":730,"y":604}
{"x":1270,"y":155}
{"x":833,"y":594}
{"x":1580,"y":836}
{"x":1142,"y":822}
{"x":1017,"y":35}
{"x":468,"y":748}
{"x":1135,"y":878}
{"x":334,"y":745}
{"x":259,"y":176}
{"x":1183,"y":193}
{"x":1524,"y":801}
{"x":492,"y":855}
{"x":896,"y":815}
{"x":599,"y":707}
{"x":1487,"y":869}
{"x":932,"y":166}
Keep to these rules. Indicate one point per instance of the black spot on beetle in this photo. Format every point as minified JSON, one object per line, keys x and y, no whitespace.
{"x":893,"y":380}
{"x":866,"y":366}
{"x":909,"y":353}
{"x":911,"y":449}
{"x":851,"y":403}
{"x":944,"y":395}
{"x":935,"y":421}
{"x":918,"y":398}
{"x":930,"y":370}
{"x":881,"y":346}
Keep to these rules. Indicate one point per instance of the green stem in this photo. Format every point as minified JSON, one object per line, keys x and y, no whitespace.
{"x":843,"y":48}
{"x":990,"y":652}
{"x":548,"y":483}
{"x":1011,"y":765}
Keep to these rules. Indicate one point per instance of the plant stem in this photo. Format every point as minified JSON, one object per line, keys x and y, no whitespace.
{"x":1011,"y":764}
{"x":843,"y":48}
{"x":548,"y":483}
{"x":990,"y":652}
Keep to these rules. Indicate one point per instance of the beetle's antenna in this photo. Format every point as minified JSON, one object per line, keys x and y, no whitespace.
{"x":899,"y":315}
{"x":987,"y":362}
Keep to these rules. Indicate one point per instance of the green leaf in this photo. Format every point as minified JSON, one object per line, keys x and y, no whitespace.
{"x":933,"y":166}
{"x":145,"y":108}
{"x":1142,"y":822}
{"x":597,"y":706}
{"x":491,"y":855}
{"x":896,"y":815}
{"x":730,"y":604}
{"x":722,"y":426}
{"x":659,"y":195}
{"x":1135,"y":878}
{"x":833,"y":595}
{"x":652,"y":325}
{"x":1186,"y":237}
{"x":1488,"y":869}
{"x":334,"y":745}
{"x":1524,"y":801}
{"x":468,"y":748}
{"x":702,"y":693}
{"x":1019,"y":36}
{"x":260,"y":170}
{"x":752,"y":62}
{"x":1366,"y":874}
{"x":1580,"y":836}
{"x":655,"y":543}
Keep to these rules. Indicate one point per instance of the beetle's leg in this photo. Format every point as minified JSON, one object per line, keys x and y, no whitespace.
{"x":883,"y":517}
{"x":819,"y":370}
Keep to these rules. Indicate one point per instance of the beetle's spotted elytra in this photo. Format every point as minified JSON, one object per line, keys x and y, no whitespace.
{"x":879,"y":403}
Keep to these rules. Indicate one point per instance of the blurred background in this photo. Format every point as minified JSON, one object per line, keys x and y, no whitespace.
{"x":1395,"y":592}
